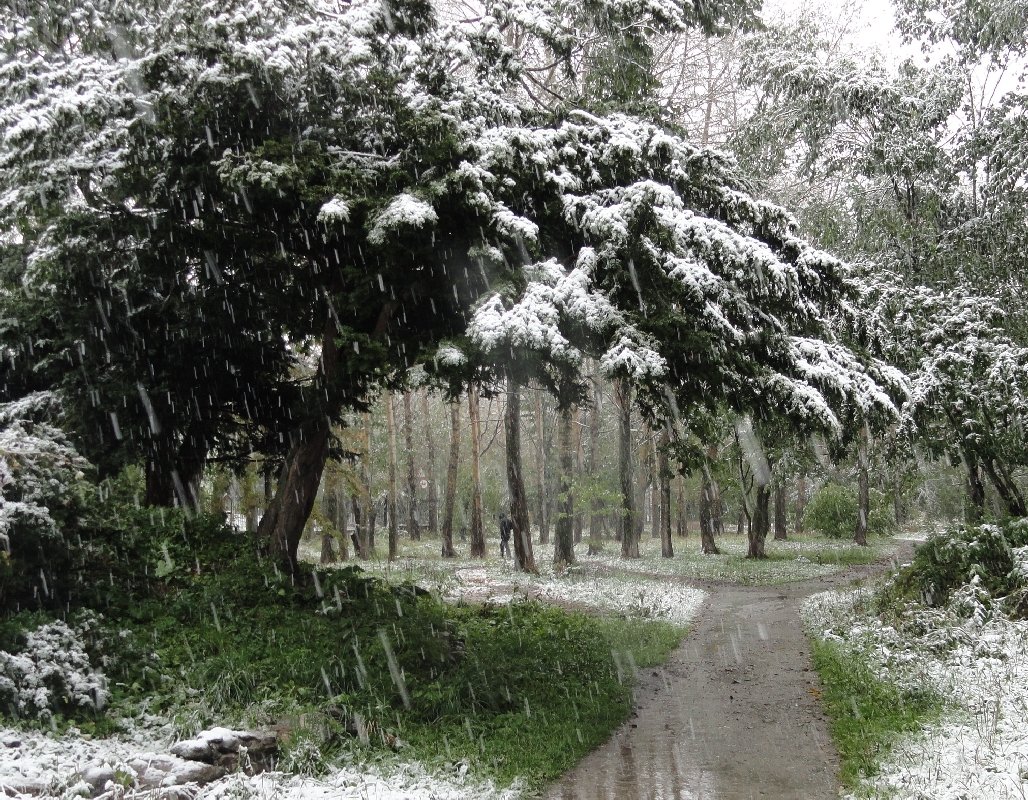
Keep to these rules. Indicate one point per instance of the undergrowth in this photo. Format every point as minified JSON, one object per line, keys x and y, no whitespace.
{"x":867,"y":714}
{"x":348,"y":662}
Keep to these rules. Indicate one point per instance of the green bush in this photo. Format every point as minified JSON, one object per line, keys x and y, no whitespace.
{"x":832,"y":511}
{"x":987,"y":554}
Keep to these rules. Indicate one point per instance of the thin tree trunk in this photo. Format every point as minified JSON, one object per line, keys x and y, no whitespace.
{"x":643,"y":481}
{"x":863,"y":490}
{"x":1005,"y":487}
{"x":342,"y":502}
{"x":366,"y":505}
{"x":596,"y":505}
{"x":656,"y":526}
{"x":477,"y":530}
{"x":413,"y":528}
{"x":433,"y":491}
{"x":682,"y":513}
{"x":328,"y":509}
{"x":975,"y":509}
{"x":780,"y":503}
{"x":394,"y":534}
{"x":524,"y":557}
{"x":708,"y":517}
{"x":629,"y":542}
{"x":579,"y":444}
{"x":451,"y":481}
{"x":564,"y":540}
{"x":542,"y":518}
{"x":664,"y":480}
{"x":801,"y":501}
{"x":760,"y":524}
{"x":283,"y":523}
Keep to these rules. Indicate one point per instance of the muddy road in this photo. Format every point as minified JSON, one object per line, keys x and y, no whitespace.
{"x":733,"y":715}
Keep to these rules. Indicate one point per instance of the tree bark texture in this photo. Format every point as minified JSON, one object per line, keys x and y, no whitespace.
{"x":708,"y":518}
{"x":394,"y":534}
{"x":451,"y":481}
{"x":413,"y":528}
{"x":596,"y":506}
{"x":524,"y":557}
{"x":283,"y":523}
{"x":780,"y":515}
{"x":579,"y":445}
{"x":433,"y":490}
{"x":564,"y":540}
{"x":664,"y":481}
{"x":760,"y":523}
{"x":629,"y":542}
{"x":542,"y":518}
{"x":477,"y":529}
{"x":801,"y":501}
{"x":682,"y":513}
{"x":863,"y":490}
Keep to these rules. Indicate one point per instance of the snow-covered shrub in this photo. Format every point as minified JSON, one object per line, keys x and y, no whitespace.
{"x":51,"y":673}
{"x":39,"y":472}
{"x":970,"y":569}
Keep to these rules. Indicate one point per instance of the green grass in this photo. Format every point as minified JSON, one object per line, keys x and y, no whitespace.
{"x":522,"y":690}
{"x":866,"y":713}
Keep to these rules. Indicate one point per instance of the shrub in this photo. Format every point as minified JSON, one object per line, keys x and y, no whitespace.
{"x":50,"y":673}
{"x":991,"y":558}
{"x":833,"y":512}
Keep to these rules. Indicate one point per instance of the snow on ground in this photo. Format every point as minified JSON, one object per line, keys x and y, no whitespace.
{"x":979,"y":666}
{"x":54,"y":765}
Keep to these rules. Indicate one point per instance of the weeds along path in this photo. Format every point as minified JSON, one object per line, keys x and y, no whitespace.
{"x":733,"y":715}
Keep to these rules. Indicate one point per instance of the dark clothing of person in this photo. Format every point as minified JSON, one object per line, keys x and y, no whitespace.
{"x":506,"y":529}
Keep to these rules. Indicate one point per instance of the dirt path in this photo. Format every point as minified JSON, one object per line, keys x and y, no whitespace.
{"x":733,"y":715}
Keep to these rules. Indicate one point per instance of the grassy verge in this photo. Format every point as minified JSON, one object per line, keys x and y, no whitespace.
{"x":866,"y":713}
{"x":350,"y":663}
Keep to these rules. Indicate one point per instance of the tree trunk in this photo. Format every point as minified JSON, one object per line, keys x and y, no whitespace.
{"x":863,"y":490}
{"x":664,"y":481}
{"x":579,"y":444}
{"x":801,"y":501}
{"x":542,"y":518}
{"x":394,"y":534}
{"x":451,"y":481}
{"x":283,"y":523}
{"x":413,"y":528}
{"x":477,"y":530}
{"x":760,"y":523}
{"x":682,"y":512}
{"x":642,"y":483}
{"x":433,"y":492}
{"x":365,"y":508}
{"x":564,"y":541}
{"x":596,"y":506}
{"x":629,"y":542}
{"x":708,"y":517}
{"x":524,"y":557}
{"x":656,"y":526}
{"x":780,"y":504}
{"x":1005,"y":487}
{"x":975,"y":509}
{"x":341,"y":521}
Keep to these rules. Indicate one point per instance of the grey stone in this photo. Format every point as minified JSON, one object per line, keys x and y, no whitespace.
{"x":195,"y":750}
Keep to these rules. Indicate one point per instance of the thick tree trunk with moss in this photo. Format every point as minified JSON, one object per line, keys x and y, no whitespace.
{"x":394,"y":534}
{"x":629,"y":541}
{"x":708,"y":518}
{"x":564,"y":539}
{"x":664,"y":481}
{"x":433,"y":490}
{"x":477,"y":527}
{"x":413,"y":528}
{"x":524,"y":557}
{"x":450,"y":501}
{"x":541,"y":469}
{"x":760,"y":523}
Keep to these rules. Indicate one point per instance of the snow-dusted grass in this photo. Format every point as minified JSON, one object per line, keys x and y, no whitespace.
{"x":798,"y":558}
{"x":48,"y":766}
{"x":978,"y":665}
